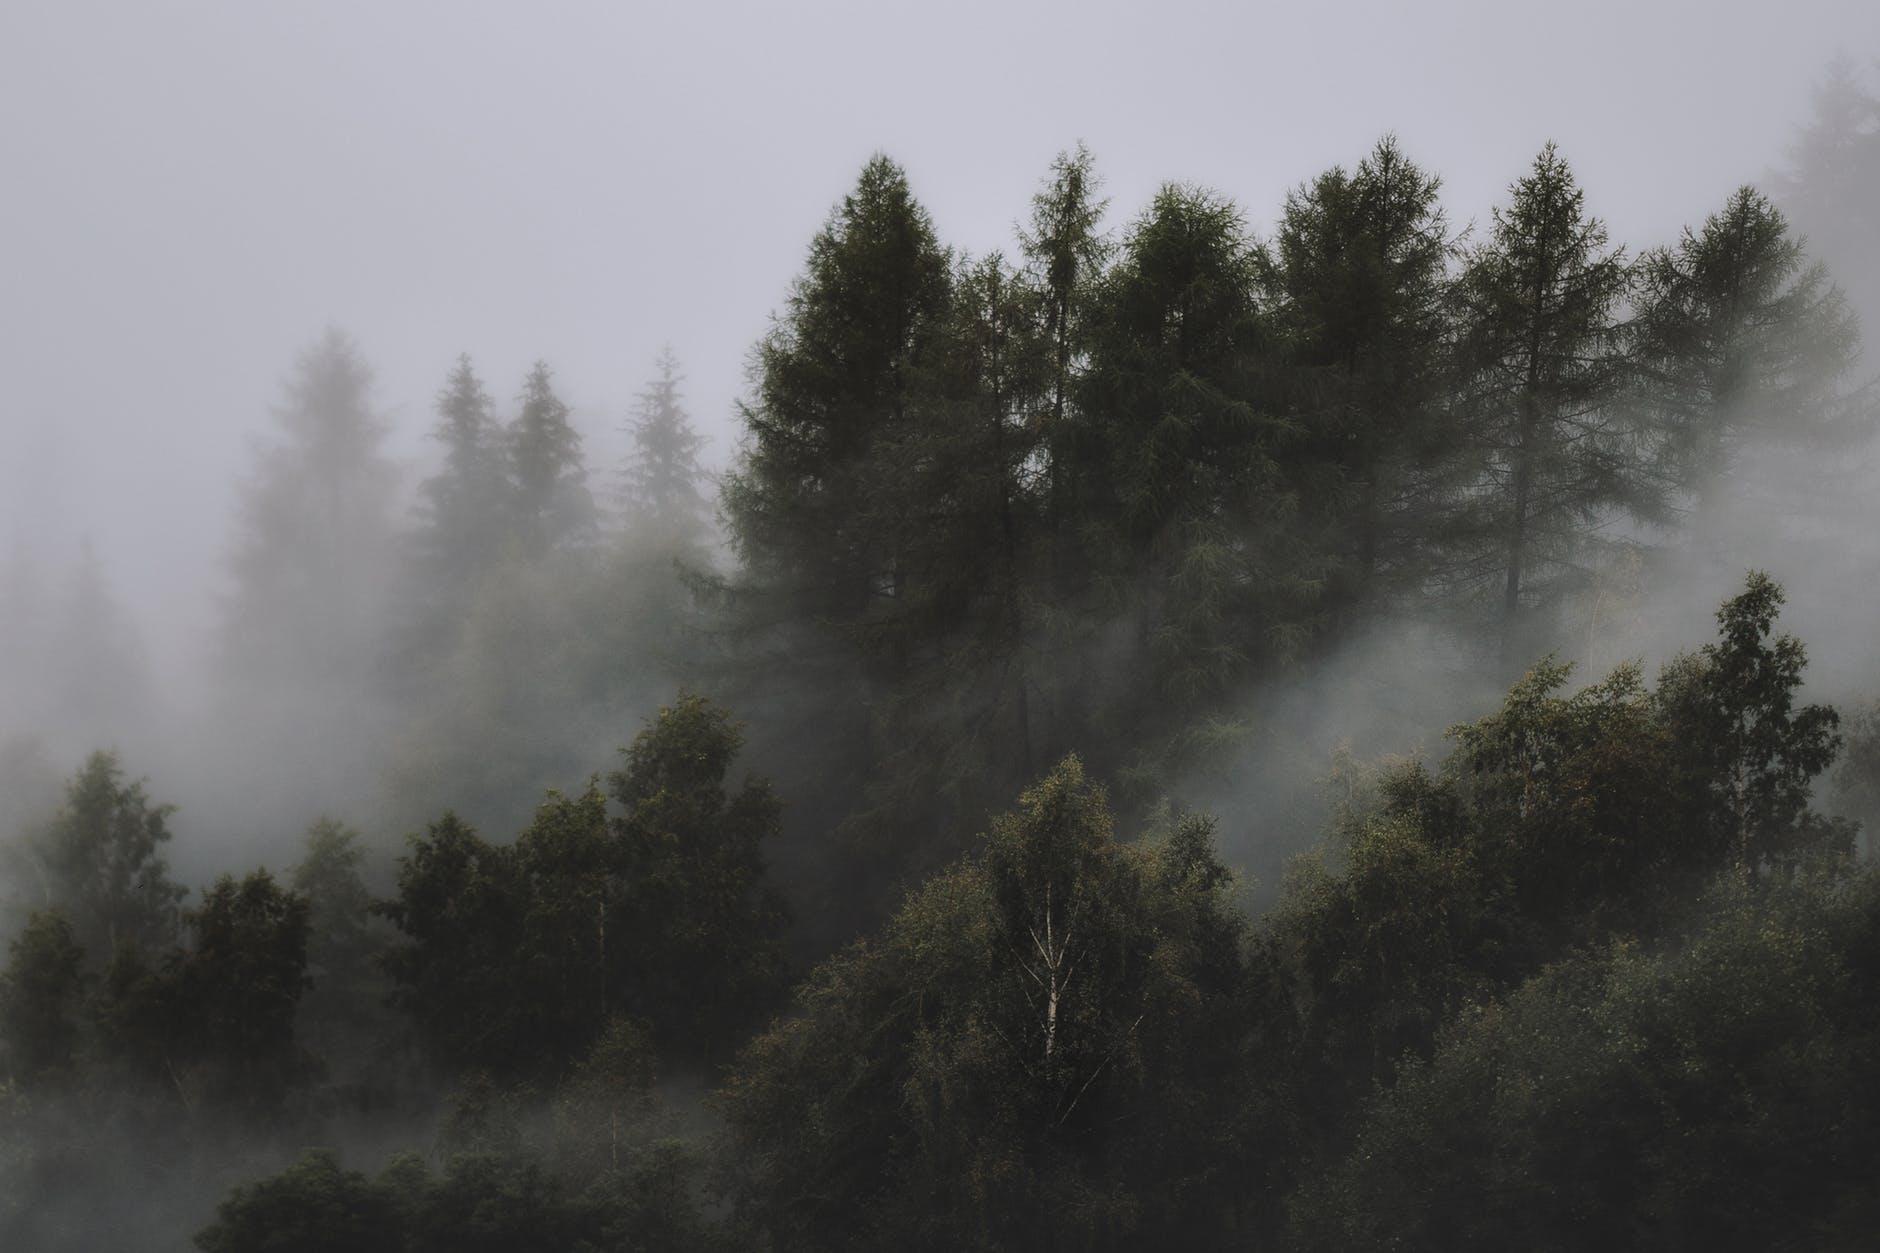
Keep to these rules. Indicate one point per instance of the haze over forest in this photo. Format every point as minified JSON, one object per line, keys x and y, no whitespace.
{"x":881,"y":626}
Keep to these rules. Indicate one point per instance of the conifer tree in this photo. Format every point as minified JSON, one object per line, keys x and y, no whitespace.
{"x":832,"y":378}
{"x":548,"y":480}
{"x":464,"y":501}
{"x":666,"y":510}
{"x":1739,"y":337}
{"x":1541,"y":300}
{"x":1065,"y":254}
{"x":1358,"y":283}
{"x":311,"y":564}
{"x":1184,"y":497}
{"x":41,"y":999}
{"x":1831,"y":186}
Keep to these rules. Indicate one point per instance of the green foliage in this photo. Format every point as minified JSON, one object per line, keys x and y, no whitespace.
{"x":832,"y":377}
{"x":342,"y":943}
{"x":1717,"y":1093}
{"x":478,"y":1204}
{"x":1561,"y":821}
{"x":41,"y":999}
{"x":1037,"y":1050}
{"x":1739,"y":336}
{"x":548,"y":483}
{"x":667,"y":511}
{"x":1540,"y":305}
{"x":100,"y":862}
{"x":217,"y":1017}
{"x":516,"y":958}
{"x":702,"y":927}
{"x":459,"y":906}
{"x":311,"y":1207}
{"x":1357,"y":281}
{"x":465,"y":505}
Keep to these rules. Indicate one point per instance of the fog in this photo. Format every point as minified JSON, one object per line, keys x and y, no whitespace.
{"x":197,"y":189}
{"x":233,"y":229}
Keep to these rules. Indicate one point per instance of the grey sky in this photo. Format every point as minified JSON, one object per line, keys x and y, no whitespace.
{"x":193,"y":190}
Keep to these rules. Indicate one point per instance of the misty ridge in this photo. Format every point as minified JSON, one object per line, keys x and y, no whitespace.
{"x":1356,"y":733}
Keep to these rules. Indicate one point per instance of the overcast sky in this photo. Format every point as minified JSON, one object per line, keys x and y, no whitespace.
{"x":191,"y":191}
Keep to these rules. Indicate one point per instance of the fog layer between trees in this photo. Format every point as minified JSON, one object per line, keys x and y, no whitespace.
{"x":1009,"y":807}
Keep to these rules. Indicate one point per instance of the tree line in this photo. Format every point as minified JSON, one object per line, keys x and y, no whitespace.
{"x":1030,"y":528}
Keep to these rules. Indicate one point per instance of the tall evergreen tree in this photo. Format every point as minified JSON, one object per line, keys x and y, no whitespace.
{"x":1358,"y":283}
{"x":1541,"y":300}
{"x":666,"y":510}
{"x":464,"y":501}
{"x":312,"y":561}
{"x":832,"y":378}
{"x":1740,"y":338}
{"x":549,"y":492}
{"x":956,"y":493}
{"x":1065,"y":254}
{"x":1831,"y":186}
{"x":1184,"y":500}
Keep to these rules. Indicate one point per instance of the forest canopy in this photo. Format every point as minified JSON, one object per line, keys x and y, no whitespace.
{"x":814,"y":855}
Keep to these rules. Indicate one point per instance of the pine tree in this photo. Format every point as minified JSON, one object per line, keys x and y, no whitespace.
{"x":1541,"y":299}
{"x":832,"y":378}
{"x":548,"y":480}
{"x":312,"y":563}
{"x":41,"y":999}
{"x":1831,"y":187}
{"x":666,"y":510}
{"x":1065,"y":254}
{"x":1740,"y":338}
{"x":463,"y":503}
{"x":1183,"y":503}
{"x":1358,"y":284}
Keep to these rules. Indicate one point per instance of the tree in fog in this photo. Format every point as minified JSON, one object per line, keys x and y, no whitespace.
{"x":1541,"y":300}
{"x":832,"y":378}
{"x":514,"y":958}
{"x":548,"y":479}
{"x":342,"y":946}
{"x":666,"y":508}
{"x":1036,"y":1051}
{"x":312,"y":556}
{"x":1740,"y":337}
{"x":1065,"y":253}
{"x":1831,"y":186}
{"x":956,"y":493}
{"x":1184,"y":509}
{"x":42,"y":991}
{"x":462,"y":528}
{"x":100,"y":862}
{"x":1357,"y":278}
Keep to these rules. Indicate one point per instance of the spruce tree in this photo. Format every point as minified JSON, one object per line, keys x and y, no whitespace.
{"x":548,"y":481}
{"x":1831,"y":186}
{"x":1183,"y":502}
{"x":1541,"y":300}
{"x":666,"y":510}
{"x":1739,"y":339}
{"x":463,"y":502}
{"x":312,"y":562}
{"x":1065,"y":255}
{"x":1357,"y":278}
{"x":832,"y":378}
